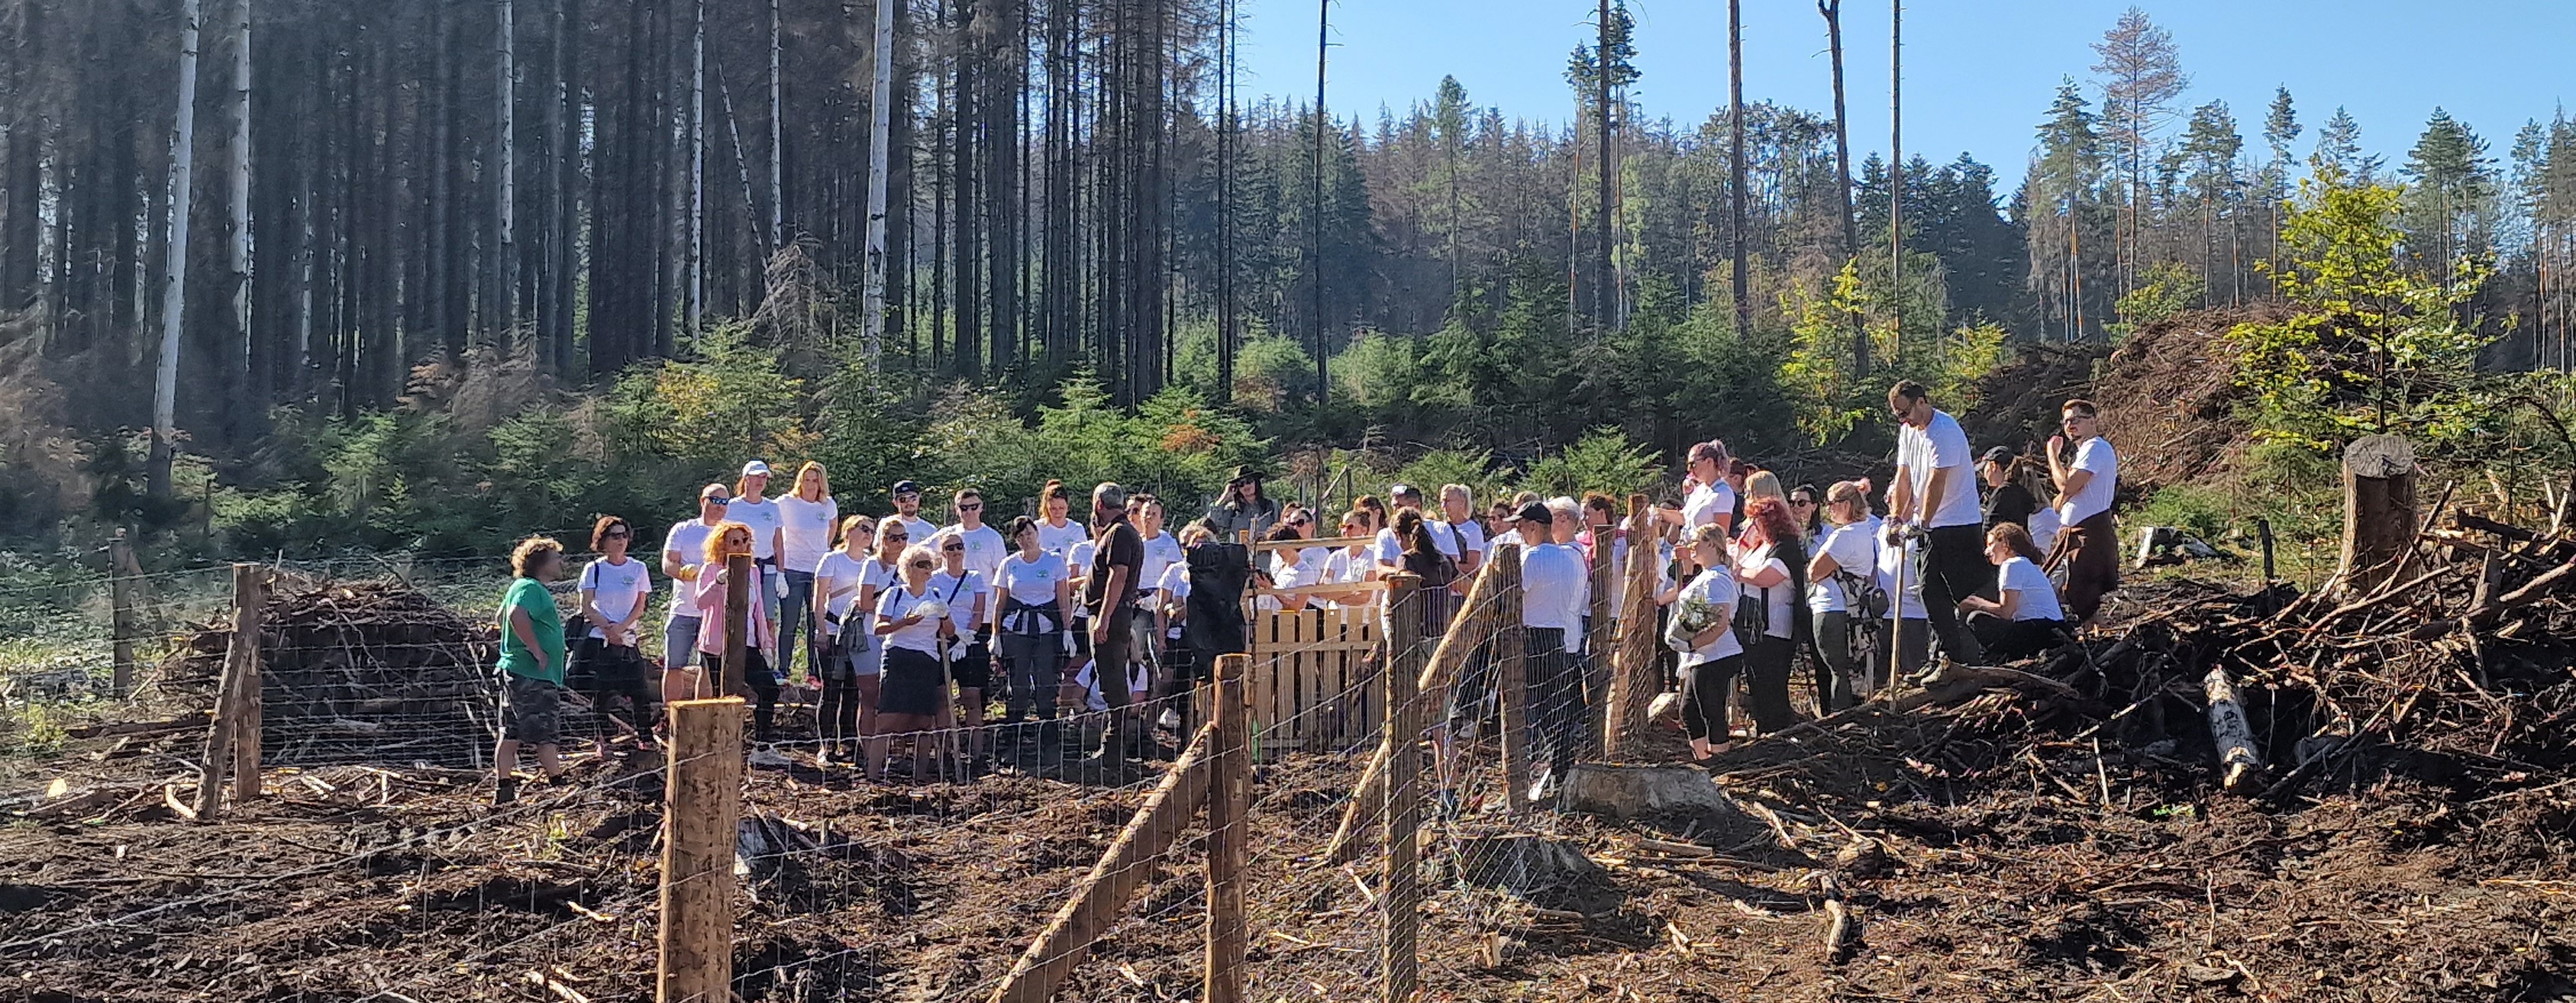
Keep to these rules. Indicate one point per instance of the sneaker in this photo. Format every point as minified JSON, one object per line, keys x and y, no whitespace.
{"x":505,"y":792}
{"x":766,"y":756}
{"x":1171,"y":719}
{"x":1543,"y":788}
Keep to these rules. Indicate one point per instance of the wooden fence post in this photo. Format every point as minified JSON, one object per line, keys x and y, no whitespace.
{"x":702,"y":806}
{"x":249,"y":704}
{"x":240,"y":656}
{"x":1402,"y":896}
{"x":1511,"y":677}
{"x":2378,"y":511}
{"x":741,"y":581}
{"x":1228,"y":809}
{"x":1634,"y":682}
{"x":120,"y":589}
{"x":1601,"y":639}
{"x":1473,"y":628}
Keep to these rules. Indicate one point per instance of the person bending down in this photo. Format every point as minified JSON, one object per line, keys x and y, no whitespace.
{"x":2025,"y":618}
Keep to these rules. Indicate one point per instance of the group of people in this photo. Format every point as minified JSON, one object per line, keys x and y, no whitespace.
{"x":909,"y":626}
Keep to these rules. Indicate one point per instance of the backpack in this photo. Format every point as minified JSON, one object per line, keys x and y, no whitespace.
{"x":1862,"y":597}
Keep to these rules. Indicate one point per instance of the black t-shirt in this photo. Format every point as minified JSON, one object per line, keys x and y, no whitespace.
{"x":2010,"y":503}
{"x":1218,"y":574}
{"x":1119,"y":547}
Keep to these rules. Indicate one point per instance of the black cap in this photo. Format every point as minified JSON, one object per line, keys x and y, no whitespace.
{"x":1999,"y":454}
{"x":906,"y":488}
{"x":1246,"y":472}
{"x":1534,"y":512}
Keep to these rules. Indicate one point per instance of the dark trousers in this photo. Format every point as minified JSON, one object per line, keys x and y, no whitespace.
{"x":616,"y":678}
{"x":2013,"y":640}
{"x":1835,"y":645}
{"x":756,"y":675}
{"x":2090,"y":553}
{"x":1955,"y":567}
{"x":1766,"y":682}
{"x":1032,"y":669}
{"x":837,"y":716}
{"x":1555,"y":682}
{"x":1704,"y":689}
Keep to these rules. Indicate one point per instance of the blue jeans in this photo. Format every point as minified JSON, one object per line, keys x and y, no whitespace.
{"x":798,"y":604}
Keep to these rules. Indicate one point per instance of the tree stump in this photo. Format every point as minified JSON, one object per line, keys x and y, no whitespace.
{"x":2378,"y":511}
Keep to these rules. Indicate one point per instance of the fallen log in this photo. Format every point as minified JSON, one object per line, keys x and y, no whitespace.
{"x":2240,"y":764}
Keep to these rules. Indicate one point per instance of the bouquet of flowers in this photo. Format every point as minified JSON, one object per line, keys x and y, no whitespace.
{"x":1692,"y":613}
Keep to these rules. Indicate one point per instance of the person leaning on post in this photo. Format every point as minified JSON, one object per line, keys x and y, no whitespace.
{"x":1936,"y":492}
{"x":532,"y":666}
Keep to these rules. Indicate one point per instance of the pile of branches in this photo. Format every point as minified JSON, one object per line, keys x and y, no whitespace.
{"x":2456,"y":672}
{"x":356,"y":670}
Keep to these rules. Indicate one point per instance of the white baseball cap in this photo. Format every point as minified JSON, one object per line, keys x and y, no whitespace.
{"x":756,"y":468}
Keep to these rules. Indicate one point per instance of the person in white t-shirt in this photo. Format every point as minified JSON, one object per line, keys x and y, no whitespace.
{"x":1553,"y":584}
{"x":1702,"y":628}
{"x":1710,"y":500}
{"x":1936,"y":492}
{"x":914,"y":624}
{"x":1289,"y":569}
{"x":2088,"y":545}
{"x":906,"y":495}
{"x":614,"y":591}
{"x":1464,"y":532}
{"x":970,"y":657}
{"x":2026,"y":619}
{"x":806,"y":518}
{"x":1058,"y":530}
{"x":851,"y":660}
{"x":1035,"y":589}
{"x":1162,"y":550}
{"x":768,"y":525}
{"x":1352,"y":563}
{"x":683,"y":552}
{"x":1843,"y":574}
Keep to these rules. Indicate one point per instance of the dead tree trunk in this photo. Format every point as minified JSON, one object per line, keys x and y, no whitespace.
{"x":2378,"y":511}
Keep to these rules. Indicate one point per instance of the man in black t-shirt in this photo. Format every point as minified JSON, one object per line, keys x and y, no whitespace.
{"x":1116,"y":565}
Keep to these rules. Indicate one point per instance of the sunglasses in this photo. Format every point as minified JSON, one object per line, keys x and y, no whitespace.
{"x":617,"y":535}
{"x":898,"y":537}
{"x":978,"y":507}
{"x":922,"y":565}
{"x":954,"y":548}
{"x":1301,"y":521}
{"x":714,"y":500}
{"x":1802,"y":501}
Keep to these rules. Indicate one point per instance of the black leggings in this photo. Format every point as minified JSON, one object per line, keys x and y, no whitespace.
{"x":617,"y":675}
{"x":1766,"y":682}
{"x":1704,"y":688}
{"x":2014,"y":640}
{"x":763,"y":685}
{"x":837,"y":715}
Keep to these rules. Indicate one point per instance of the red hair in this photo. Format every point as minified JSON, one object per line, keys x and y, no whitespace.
{"x":1768,"y":521}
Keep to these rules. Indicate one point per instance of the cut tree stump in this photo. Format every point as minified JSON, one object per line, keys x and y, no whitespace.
{"x":1615,"y":790}
{"x":2378,"y":511}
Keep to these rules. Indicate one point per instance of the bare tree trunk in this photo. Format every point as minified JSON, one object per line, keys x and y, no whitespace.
{"x":505,"y":223}
{"x":778,"y":131}
{"x":697,"y":281}
{"x":1605,"y":292}
{"x":1743,"y":273}
{"x":1896,"y":177}
{"x":165,"y":380}
{"x":238,"y":407}
{"x":880,"y":134}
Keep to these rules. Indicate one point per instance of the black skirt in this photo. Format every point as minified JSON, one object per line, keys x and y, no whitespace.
{"x":911,"y":683}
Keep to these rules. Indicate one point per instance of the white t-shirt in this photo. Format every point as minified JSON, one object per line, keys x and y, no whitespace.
{"x":985,"y":550}
{"x":688,"y":538}
{"x":1175,"y":586}
{"x":917,"y":530}
{"x":898,"y":602}
{"x":1290,"y":576}
{"x":1031,"y":582}
{"x":1077,"y":562}
{"x":1387,"y":549}
{"x":808,"y":526}
{"x":2043,"y":528}
{"x":1458,"y":539}
{"x":841,"y":577}
{"x":1341,"y":568}
{"x":1060,"y":539}
{"x":1855,"y":549}
{"x":1782,"y":595}
{"x":960,"y":597}
{"x":2094,"y":455}
{"x":1554,"y":586}
{"x":617,"y":589}
{"x":1941,"y":444}
{"x":1716,"y":587}
{"x":2038,"y":594}
{"x":1910,"y":604}
{"x":765,"y":519}
{"x":1706,"y":503}
{"x":1161,"y":552}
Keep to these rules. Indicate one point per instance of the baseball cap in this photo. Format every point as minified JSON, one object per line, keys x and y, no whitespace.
{"x":1401,"y":490}
{"x":755,"y":468}
{"x":1534,"y":512}
{"x":1999,"y":454}
{"x":906,"y":488}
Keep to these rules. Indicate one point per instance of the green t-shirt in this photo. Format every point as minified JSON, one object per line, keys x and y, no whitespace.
{"x":544,"y":620}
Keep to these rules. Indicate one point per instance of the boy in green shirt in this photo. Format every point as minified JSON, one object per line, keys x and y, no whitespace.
{"x":532,"y":665}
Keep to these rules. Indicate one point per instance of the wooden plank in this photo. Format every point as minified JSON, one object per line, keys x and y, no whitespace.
{"x":1402,"y":746}
{"x":1128,"y":865}
{"x":1474,"y":626}
{"x":702,"y":807}
{"x":1319,"y":590}
{"x":1229,"y":807}
{"x":1328,"y":543}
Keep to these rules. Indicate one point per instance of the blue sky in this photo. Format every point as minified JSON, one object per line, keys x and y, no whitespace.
{"x":1978,"y":73}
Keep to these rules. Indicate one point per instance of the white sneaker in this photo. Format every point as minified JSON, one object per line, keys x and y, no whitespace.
{"x":1170,"y":719}
{"x":766,"y":756}
{"x":1544,"y":787}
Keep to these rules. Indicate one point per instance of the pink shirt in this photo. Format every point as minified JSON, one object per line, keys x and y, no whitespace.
{"x":710,"y":600}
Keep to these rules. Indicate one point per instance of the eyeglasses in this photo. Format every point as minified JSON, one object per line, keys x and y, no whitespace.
{"x":617,"y":534}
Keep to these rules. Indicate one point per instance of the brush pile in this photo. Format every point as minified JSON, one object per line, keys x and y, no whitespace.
{"x":356,"y":671}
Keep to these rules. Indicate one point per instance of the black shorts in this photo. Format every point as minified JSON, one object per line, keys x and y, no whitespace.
{"x":531,"y":710}
{"x":911,"y":683}
{"x":974,"y":669}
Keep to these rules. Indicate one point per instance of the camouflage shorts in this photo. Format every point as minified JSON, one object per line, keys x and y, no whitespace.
{"x":531,"y":710}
